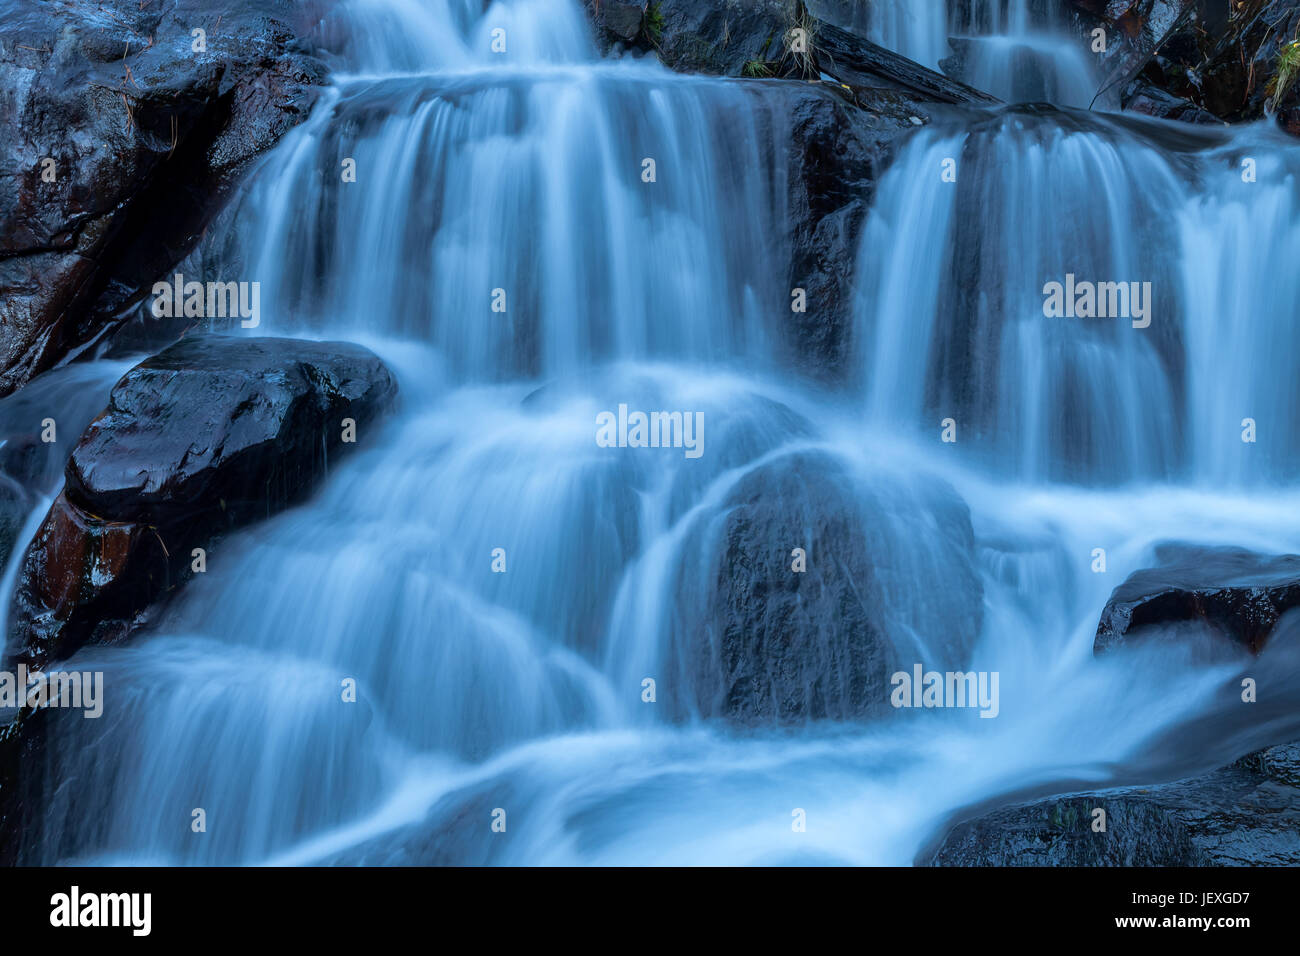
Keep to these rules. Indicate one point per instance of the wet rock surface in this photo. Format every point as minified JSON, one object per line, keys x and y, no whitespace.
{"x":776,"y":644}
{"x":768,"y":38}
{"x":1233,"y":62}
{"x":1240,"y":594}
{"x":1247,"y":814}
{"x":837,"y":155}
{"x":123,"y":132}
{"x":211,"y":434}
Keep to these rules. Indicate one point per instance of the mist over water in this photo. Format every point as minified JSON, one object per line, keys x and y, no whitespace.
{"x":522,"y":690}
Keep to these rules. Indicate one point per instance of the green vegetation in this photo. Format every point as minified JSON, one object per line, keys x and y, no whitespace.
{"x":1288,"y":67}
{"x":799,"y":42}
{"x":653,"y":23}
{"x":756,"y":70}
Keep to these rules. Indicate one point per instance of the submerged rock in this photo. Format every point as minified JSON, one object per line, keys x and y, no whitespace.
{"x":757,"y":640}
{"x":1247,"y":814}
{"x":210,"y":434}
{"x":123,"y":131}
{"x":1238,"y":593}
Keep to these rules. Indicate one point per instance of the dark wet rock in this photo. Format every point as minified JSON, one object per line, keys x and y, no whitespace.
{"x":222,"y":418}
{"x":22,"y":745}
{"x":457,"y":831}
{"x":619,"y":22}
{"x":780,"y":644}
{"x":772,"y":38}
{"x":755,"y":641}
{"x":31,"y":467}
{"x":835,"y":163}
{"x":213,"y":433}
{"x":1135,"y":31}
{"x":146,"y":137}
{"x":1281,"y":763}
{"x":1239,"y":594}
{"x":859,"y":63}
{"x":721,"y":37}
{"x":837,"y":155}
{"x":1223,"y":58}
{"x":1142,"y":97}
{"x":1247,"y":814}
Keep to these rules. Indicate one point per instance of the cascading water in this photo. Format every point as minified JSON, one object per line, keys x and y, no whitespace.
{"x":523,"y":690}
{"x":952,"y":278}
{"x":1018,"y":50}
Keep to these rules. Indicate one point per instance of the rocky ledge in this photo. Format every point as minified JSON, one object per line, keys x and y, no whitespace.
{"x":126,"y":125}
{"x":1247,"y":814}
{"x":211,"y":434}
{"x":1204,"y":61}
{"x":1238,"y":594}
{"x":766,"y":38}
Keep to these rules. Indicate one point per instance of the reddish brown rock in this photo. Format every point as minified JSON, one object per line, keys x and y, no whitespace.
{"x":1238,"y":594}
{"x":211,"y":434}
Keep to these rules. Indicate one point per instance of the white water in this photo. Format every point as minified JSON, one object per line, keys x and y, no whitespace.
{"x":523,"y":690}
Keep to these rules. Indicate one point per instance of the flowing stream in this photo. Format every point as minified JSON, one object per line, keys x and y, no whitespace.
{"x":479,"y":172}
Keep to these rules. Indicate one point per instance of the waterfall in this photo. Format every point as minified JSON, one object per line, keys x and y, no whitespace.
{"x":520,"y":184}
{"x":1021,"y":51}
{"x":523,"y":181}
{"x":951,"y":290}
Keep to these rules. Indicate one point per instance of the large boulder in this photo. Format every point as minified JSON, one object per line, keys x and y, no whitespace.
{"x":1247,"y":814}
{"x":120,"y":140}
{"x":778,"y":644}
{"x":210,"y":434}
{"x":1239,"y":594}
{"x":757,"y":641}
